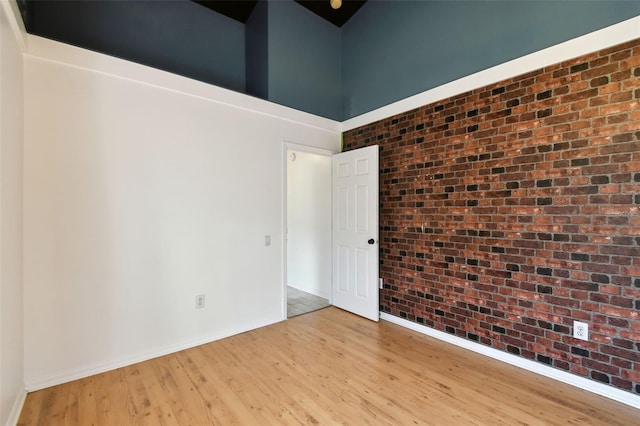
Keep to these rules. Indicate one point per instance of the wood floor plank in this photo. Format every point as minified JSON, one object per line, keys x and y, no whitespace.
{"x":327,"y":367}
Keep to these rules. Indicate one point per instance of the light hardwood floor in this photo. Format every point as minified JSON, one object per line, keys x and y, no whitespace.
{"x":327,"y":367}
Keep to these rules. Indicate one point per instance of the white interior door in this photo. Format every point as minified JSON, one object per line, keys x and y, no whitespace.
{"x":355,"y":231}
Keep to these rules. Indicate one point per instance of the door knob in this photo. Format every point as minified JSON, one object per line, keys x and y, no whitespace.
{"x":371,"y":241}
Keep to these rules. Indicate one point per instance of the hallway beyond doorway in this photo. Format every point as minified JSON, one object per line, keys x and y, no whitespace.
{"x":300,"y":302}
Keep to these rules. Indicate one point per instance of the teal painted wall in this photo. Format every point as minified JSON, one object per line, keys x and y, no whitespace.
{"x":389,"y":50}
{"x":178,"y":36}
{"x":395,"y":49}
{"x":257,"y":51}
{"x":304,"y":60}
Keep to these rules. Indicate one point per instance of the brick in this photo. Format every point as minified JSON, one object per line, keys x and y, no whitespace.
{"x":600,"y":81}
{"x":528,"y":190}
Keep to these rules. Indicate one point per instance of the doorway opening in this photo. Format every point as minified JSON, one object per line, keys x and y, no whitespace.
{"x":308,"y":230}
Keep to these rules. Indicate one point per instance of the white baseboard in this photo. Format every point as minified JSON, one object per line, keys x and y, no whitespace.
{"x":314,"y":291}
{"x":14,"y":415}
{"x":81,"y":373}
{"x":562,"y":376}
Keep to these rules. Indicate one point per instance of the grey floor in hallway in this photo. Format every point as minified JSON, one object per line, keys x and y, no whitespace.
{"x":300,"y":302}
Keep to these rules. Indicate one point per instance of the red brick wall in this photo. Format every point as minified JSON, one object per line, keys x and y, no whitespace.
{"x":508,"y":212}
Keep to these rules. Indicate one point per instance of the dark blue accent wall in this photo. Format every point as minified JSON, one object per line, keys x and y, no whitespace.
{"x":304,"y":60}
{"x":178,"y":36}
{"x":395,"y":49}
{"x":257,"y":51}
{"x":388,"y":51}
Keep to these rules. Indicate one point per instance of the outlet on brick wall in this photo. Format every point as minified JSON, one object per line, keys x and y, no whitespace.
{"x":581,"y":330}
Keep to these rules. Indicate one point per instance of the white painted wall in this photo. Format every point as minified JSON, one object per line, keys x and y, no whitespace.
{"x":143,"y":189}
{"x":12,"y":391}
{"x":309,"y":222}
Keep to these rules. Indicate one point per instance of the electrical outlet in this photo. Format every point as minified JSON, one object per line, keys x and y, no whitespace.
{"x":200,"y":301}
{"x":581,"y":330}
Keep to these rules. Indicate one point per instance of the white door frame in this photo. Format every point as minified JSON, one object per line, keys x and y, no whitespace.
{"x":303,"y":148}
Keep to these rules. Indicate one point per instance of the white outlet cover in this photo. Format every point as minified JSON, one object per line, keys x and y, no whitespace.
{"x":581,"y":330}
{"x":200,"y":301}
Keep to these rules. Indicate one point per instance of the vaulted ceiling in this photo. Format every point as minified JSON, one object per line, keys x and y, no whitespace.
{"x":241,"y":9}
